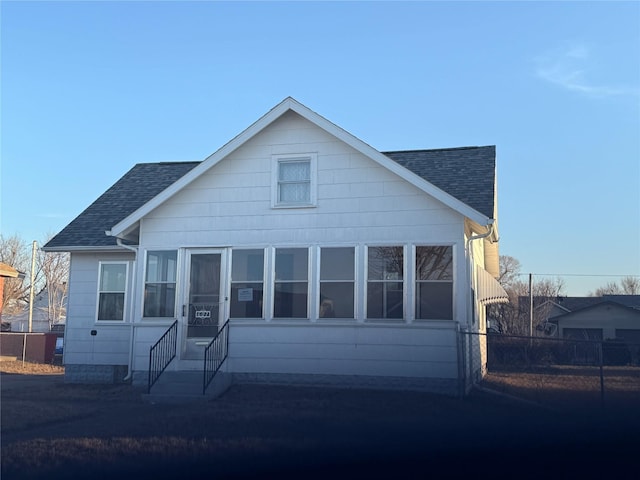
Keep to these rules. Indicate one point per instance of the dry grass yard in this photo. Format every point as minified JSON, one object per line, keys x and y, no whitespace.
{"x":55,"y":430}
{"x":568,"y":388}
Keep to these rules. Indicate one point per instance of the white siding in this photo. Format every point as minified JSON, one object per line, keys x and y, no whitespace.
{"x":358,"y":201}
{"x":416,"y":351}
{"x":110,"y":344}
{"x":145,"y":337}
{"x":607,"y":317}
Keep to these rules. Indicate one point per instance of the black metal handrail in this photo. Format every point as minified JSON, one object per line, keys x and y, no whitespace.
{"x":215,"y":354}
{"x":162,"y":353}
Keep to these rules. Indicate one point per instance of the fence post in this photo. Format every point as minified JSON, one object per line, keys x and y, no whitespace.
{"x":461,"y":367}
{"x":470,"y":352}
{"x":24,"y":348}
{"x":601,"y":355}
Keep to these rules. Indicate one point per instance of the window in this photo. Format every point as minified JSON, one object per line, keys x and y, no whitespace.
{"x":160,"y":284}
{"x":247,"y":277}
{"x":291,"y":283}
{"x":337,"y":279}
{"x":385,"y":288}
{"x":294,"y":184}
{"x":112,"y":286}
{"x":434,"y":283}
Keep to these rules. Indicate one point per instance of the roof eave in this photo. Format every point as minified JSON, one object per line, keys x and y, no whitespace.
{"x":86,"y":248}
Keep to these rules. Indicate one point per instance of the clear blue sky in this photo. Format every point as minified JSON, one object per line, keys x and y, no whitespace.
{"x":91,"y":88}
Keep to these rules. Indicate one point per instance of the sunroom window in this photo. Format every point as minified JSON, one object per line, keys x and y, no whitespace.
{"x":434,"y":282}
{"x":337,"y":282}
{"x":291,"y":283}
{"x":160,"y":284}
{"x":385,"y":282}
{"x":247,"y":280}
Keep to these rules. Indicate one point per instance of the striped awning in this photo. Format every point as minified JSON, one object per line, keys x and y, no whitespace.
{"x":489,"y":289}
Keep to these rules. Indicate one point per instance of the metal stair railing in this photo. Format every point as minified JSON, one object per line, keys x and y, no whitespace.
{"x":215,"y":354}
{"x":162,"y":353}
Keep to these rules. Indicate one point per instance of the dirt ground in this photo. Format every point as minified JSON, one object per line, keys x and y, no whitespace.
{"x":55,"y":430}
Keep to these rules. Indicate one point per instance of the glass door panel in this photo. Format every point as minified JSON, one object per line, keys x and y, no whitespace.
{"x":203,"y":302}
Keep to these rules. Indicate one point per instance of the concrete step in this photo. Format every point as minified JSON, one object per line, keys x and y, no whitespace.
{"x":186,"y":386}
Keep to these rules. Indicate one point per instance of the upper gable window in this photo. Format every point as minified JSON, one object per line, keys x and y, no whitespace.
{"x":294,"y":180}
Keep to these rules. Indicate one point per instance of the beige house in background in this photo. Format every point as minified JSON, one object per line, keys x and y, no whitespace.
{"x":606,"y":318}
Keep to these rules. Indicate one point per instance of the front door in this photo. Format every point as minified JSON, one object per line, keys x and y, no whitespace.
{"x":204,"y":301}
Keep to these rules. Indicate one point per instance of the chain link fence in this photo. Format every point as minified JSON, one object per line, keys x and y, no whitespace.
{"x":557,"y":373}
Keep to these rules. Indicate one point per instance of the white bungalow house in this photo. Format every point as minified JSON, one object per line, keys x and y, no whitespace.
{"x":333,"y":262}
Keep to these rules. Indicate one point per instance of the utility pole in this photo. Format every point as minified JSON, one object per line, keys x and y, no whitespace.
{"x":531,"y":305}
{"x":33,"y":274}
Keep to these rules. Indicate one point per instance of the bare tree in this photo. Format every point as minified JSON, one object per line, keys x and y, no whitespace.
{"x":545,"y":293}
{"x":15,"y":252}
{"x":509,"y":270}
{"x":628,"y":286}
{"x":55,"y":269}
{"x":513,"y":318}
{"x":51,"y":273}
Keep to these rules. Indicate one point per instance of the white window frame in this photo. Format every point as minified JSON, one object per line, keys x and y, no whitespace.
{"x":276,"y":161}
{"x":416,"y":282}
{"x":263,"y":282}
{"x":99,"y":291}
{"x":275,"y":281}
{"x":175,"y":282}
{"x":366,"y":282}
{"x":353,"y":281}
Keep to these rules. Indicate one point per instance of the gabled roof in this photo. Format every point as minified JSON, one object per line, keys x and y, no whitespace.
{"x":577,"y":303}
{"x":289,"y":104}
{"x":139,"y":185}
{"x":604,"y":301}
{"x":469,"y":188}
{"x":571,"y":304}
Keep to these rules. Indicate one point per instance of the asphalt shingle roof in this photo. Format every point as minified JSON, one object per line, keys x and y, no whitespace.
{"x":467,"y":173}
{"x":139,"y":185}
{"x":578,"y":303}
{"x":573,"y":304}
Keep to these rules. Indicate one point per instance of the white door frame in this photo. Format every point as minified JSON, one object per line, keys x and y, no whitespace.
{"x":189,"y":344}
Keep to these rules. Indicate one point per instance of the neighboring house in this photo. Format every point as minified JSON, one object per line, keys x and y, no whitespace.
{"x":334,"y":262}
{"x":41,"y":320}
{"x":598,"y":318}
